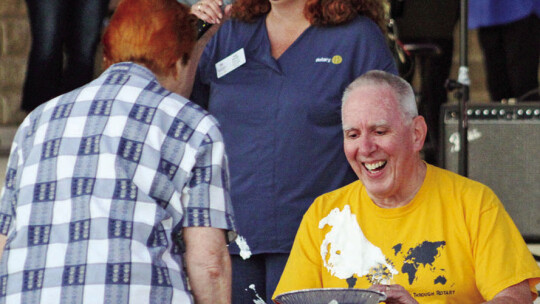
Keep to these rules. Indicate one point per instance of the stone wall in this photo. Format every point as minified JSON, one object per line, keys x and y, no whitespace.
{"x":14,"y":47}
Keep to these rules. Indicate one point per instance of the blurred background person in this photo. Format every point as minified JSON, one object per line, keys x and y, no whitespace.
{"x":273,"y":77}
{"x":509,"y":35}
{"x":65,"y":36}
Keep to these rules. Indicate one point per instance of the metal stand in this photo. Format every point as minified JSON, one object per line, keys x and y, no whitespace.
{"x":462,"y":87}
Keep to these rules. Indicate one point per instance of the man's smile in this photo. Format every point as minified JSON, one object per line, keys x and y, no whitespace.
{"x":376,"y":166}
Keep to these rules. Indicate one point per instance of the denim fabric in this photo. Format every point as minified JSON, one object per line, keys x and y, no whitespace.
{"x":61,"y":27}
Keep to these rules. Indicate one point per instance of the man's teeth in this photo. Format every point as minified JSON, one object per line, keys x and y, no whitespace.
{"x":375,"y":166}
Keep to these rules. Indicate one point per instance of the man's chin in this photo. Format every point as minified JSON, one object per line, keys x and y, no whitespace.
{"x":376,"y":188}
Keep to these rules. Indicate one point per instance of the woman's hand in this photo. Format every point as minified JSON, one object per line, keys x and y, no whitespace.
{"x":210,"y":10}
{"x":395,"y":294}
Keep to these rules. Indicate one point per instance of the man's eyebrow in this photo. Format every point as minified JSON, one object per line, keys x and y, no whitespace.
{"x":380,"y":123}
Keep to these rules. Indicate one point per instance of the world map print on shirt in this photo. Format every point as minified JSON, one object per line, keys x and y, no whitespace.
{"x":424,"y":255}
{"x":348,"y":254}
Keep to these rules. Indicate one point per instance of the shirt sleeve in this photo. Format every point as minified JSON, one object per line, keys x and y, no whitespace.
{"x":209,"y":203}
{"x":8,"y":197}
{"x":303,"y":269}
{"x":502,"y":258}
{"x":373,"y":51}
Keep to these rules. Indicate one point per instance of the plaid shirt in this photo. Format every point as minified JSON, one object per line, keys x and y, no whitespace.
{"x":98,"y":180}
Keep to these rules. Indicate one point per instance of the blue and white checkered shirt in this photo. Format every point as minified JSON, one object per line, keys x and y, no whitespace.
{"x":97,"y":182}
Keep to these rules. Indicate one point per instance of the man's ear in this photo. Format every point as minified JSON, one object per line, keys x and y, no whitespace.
{"x":419,"y":132}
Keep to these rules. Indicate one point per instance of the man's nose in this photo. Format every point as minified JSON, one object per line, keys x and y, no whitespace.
{"x":366,"y":145}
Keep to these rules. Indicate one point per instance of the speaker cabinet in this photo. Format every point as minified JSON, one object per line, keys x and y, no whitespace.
{"x":503,"y":153}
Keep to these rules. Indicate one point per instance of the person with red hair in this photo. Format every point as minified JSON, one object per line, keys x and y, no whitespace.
{"x":118,"y":191}
{"x":273,"y":76}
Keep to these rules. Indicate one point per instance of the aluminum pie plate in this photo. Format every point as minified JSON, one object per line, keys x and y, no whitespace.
{"x":331,"y":296}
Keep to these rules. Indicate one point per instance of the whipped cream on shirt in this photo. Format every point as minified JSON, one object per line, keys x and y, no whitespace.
{"x":346,"y":251}
{"x":245,"y":252}
{"x":258,"y":299}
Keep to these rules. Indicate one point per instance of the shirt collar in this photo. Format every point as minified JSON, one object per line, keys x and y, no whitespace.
{"x":258,"y":46}
{"x":133,"y":69}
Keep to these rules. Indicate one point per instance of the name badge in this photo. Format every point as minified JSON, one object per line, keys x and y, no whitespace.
{"x":230,"y":63}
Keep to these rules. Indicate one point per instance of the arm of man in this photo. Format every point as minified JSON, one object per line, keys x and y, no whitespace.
{"x":518,"y":294}
{"x":208,"y":264}
{"x":3,"y":239}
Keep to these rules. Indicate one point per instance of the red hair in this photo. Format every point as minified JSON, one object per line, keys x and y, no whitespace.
{"x":156,"y":33}
{"x":318,"y":12}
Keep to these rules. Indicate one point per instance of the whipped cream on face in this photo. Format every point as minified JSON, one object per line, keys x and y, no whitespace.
{"x":245,"y":252}
{"x":346,"y":251}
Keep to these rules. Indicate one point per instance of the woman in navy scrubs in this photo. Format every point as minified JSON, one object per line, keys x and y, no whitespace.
{"x":273,"y":75}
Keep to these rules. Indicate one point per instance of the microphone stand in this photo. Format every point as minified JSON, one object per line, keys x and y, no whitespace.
{"x":463,"y":79}
{"x":462,"y":85}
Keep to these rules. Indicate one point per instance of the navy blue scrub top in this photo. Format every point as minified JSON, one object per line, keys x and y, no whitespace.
{"x":281,"y":119}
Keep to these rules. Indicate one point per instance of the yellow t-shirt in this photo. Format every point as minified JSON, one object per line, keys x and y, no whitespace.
{"x":453,"y":243}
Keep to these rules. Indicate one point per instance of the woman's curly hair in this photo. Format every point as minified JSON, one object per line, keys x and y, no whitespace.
{"x":319,"y":12}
